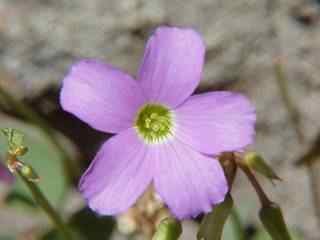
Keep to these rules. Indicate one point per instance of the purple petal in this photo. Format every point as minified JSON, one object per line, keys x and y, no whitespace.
{"x":188,"y":182}
{"x":172,"y":65}
{"x":104,"y":97}
{"x":5,"y":175}
{"x":216,"y":122}
{"x":118,"y":175}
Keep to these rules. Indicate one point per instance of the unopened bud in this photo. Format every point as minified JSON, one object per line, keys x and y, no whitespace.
{"x":20,"y":151}
{"x":13,"y":163}
{"x":273,"y":221}
{"x":168,"y":229}
{"x":28,"y":172}
{"x":257,"y":163}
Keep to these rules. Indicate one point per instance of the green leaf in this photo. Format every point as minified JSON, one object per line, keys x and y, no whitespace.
{"x":54,"y":235}
{"x":43,"y":158}
{"x":168,"y":229}
{"x":273,"y":221}
{"x":86,"y":225}
{"x":257,"y":163}
{"x":92,"y":226}
{"x":212,"y":224}
{"x":263,"y":235}
{"x":228,"y":231}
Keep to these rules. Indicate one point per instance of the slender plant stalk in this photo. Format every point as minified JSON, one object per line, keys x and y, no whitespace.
{"x":314,"y":185}
{"x":282,"y":81}
{"x":265,"y":201}
{"x":47,"y":207}
{"x":29,"y":176}
{"x":33,"y":117}
{"x":286,"y":98}
{"x":228,"y":162}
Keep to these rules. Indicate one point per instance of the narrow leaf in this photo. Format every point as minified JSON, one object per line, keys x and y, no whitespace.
{"x":212,"y":224}
{"x":273,"y":221}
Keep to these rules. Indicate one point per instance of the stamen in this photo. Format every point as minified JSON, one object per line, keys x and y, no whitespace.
{"x":154,"y":123}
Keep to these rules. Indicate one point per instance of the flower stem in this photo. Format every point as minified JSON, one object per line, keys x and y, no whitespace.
{"x":47,"y":207}
{"x":34,"y":118}
{"x":265,"y":201}
{"x":282,"y":82}
{"x":294,"y":114}
{"x":314,"y":186}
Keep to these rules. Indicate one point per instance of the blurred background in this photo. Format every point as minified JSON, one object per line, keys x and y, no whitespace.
{"x":266,"y":49}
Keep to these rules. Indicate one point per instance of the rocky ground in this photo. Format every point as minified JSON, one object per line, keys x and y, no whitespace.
{"x":39,"y":39}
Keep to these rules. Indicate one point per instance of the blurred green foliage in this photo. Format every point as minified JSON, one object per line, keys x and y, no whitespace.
{"x":86,"y":225}
{"x":43,"y":158}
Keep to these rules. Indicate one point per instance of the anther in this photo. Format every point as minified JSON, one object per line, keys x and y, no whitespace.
{"x":153,"y":115}
{"x":153,"y":123}
{"x":155,"y":127}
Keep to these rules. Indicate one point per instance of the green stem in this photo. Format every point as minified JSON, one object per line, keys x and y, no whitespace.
{"x":46,"y":206}
{"x":314,"y":186}
{"x":282,"y":82}
{"x":264,"y":200}
{"x":33,"y":117}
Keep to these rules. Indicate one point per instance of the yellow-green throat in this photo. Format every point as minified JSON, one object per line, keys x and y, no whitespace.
{"x":154,"y":123}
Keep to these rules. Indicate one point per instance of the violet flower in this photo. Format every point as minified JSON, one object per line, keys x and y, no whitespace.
{"x":164,"y":136}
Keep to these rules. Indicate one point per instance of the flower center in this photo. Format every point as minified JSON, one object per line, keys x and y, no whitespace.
{"x":154,"y":123}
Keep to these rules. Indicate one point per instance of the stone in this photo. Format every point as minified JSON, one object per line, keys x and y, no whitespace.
{"x":40,"y":39}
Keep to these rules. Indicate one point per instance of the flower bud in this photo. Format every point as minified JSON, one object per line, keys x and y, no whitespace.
{"x":20,"y":151}
{"x":168,"y":229}
{"x":28,"y":172}
{"x":257,"y":163}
